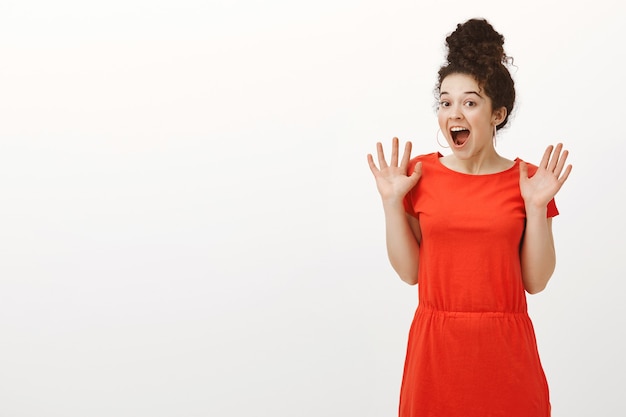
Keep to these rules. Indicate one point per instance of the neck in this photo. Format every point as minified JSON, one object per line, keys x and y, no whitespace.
{"x":486,"y":162}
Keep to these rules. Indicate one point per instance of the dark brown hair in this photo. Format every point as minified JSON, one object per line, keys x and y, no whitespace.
{"x":476,"y":49}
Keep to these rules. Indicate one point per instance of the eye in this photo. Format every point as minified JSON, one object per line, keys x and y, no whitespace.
{"x":444,"y":103}
{"x":470,"y":103}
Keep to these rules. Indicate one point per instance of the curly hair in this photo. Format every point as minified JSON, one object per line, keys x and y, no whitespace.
{"x":476,"y":49}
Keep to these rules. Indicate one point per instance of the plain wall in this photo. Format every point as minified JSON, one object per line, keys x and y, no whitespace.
{"x":188,"y":225}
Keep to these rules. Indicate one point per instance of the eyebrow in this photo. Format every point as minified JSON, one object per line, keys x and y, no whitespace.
{"x":466,"y":92}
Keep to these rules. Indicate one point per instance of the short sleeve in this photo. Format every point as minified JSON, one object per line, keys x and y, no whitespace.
{"x":553,"y":211}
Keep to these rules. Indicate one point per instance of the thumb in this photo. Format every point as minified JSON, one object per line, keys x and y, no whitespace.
{"x":523,"y":170}
{"x":417,"y":172}
{"x":418,"y":168}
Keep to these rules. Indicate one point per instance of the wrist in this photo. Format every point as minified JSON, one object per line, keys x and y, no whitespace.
{"x":393,"y":204}
{"x":535,"y":210}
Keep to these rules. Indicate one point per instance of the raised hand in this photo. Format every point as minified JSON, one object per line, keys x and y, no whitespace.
{"x":548,"y":180}
{"x":392,"y":180}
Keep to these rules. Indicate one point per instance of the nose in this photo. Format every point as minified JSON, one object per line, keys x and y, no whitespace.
{"x":455,"y":112}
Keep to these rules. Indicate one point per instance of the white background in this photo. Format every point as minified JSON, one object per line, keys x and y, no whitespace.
{"x":188,"y":226}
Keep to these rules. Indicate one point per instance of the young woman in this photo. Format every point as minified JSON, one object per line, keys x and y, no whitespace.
{"x":474,"y":229}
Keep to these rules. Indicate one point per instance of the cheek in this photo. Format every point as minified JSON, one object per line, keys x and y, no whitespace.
{"x":441,"y":119}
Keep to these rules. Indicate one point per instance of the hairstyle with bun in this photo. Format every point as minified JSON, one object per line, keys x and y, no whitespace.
{"x":476,"y":49}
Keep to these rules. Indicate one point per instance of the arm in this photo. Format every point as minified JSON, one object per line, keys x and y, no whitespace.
{"x":538,"y":256}
{"x":402,"y":243}
{"x":402,"y":231}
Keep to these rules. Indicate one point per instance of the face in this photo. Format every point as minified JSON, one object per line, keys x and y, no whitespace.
{"x":466,"y":117}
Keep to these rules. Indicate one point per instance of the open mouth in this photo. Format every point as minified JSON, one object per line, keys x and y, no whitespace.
{"x":459,"y":135}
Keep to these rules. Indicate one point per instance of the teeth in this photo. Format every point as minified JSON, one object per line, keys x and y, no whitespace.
{"x":458,"y":129}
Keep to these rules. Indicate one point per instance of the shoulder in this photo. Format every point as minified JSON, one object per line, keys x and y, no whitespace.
{"x":425,"y":159}
{"x":532,"y":168}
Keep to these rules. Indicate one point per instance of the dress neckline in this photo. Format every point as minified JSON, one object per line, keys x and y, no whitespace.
{"x":438,"y":156}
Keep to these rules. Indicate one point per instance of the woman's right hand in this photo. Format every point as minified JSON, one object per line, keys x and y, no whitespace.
{"x":392,"y":180}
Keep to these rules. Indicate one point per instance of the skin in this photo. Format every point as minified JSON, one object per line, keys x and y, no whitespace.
{"x":464,"y":104}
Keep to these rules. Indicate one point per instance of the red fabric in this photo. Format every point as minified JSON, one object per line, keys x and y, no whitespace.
{"x":471,"y":350}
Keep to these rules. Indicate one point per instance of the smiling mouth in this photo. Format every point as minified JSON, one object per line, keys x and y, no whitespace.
{"x":459,"y":135}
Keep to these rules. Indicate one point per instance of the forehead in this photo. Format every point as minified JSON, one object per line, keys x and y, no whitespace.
{"x":459,"y":84}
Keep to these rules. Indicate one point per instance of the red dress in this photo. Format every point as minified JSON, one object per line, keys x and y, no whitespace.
{"x":471,"y":350}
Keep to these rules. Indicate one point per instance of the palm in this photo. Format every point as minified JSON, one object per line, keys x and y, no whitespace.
{"x":548,"y":180}
{"x":392,"y":180}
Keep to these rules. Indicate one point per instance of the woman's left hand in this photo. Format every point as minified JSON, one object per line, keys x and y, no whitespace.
{"x":538,"y":190}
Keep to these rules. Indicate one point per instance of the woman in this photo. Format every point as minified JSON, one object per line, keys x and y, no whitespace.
{"x":474,"y":229}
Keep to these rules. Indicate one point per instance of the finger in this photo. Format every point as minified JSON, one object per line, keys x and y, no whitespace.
{"x":381,"y":156}
{"x":416,"y":174}
{"x":554,"y":160}
{"x":407,"y":154}
{"x":418,"y":170}
{"x":559,"y":166}
{"x":394,"y":152}
{"x":563,"y":177}
{"x":546,"y":157}
{"x":523,"y":170}
{"x":373,"y":167}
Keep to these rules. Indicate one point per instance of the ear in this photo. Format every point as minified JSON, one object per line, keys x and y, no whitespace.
{"x":498,"y":115}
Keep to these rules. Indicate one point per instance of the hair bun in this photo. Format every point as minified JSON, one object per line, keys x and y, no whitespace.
{"x":475,"y":41}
